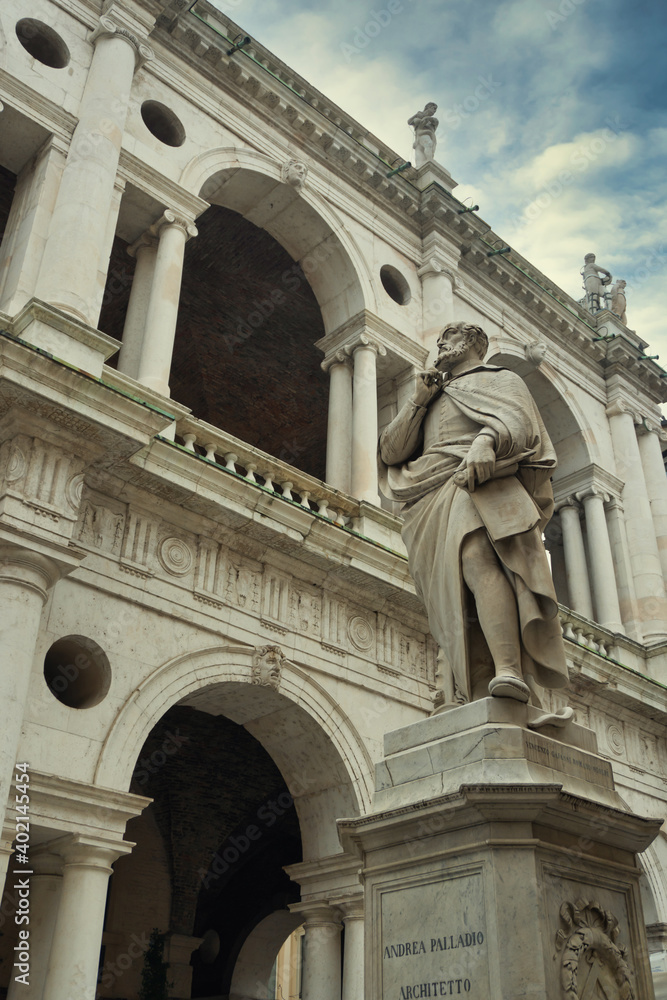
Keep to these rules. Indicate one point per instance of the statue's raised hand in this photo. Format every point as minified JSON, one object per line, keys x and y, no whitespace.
{"x":428,"y":385}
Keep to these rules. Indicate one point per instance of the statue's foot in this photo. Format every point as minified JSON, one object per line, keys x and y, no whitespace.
{"x":508,"y":686}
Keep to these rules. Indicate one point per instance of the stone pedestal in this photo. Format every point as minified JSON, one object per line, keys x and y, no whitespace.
{"x":500,"y":863}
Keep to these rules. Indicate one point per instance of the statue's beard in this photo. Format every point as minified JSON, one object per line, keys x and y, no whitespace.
{"x":449,"y":357}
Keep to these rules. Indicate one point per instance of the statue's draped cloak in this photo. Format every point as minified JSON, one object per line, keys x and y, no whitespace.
{"x":418,"y":461}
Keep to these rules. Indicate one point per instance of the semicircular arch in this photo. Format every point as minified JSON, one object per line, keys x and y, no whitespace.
{"x":563,"y":416}
{"x":301,"y":220}
{"x":326,"y":767}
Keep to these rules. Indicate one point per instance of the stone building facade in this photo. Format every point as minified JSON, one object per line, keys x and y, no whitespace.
{"x":215,"y":290}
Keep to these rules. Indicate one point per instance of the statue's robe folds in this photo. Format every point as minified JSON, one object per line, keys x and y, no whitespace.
{"x":420,"y":454}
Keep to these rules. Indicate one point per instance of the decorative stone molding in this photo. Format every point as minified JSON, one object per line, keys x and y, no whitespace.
{"x":361,"y":633}
{"x":147,"y":241}
{"x":175,"y":556}
{"x":593,"y":491}
{"x":570,"y":501}
{"x":267,"y":665}
{"x":31,"y":570}
{"x":433,"y":266}
{"x":589,"y":932}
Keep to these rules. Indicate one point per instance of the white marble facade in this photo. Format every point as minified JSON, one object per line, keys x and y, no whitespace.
{"x":121,"y":525}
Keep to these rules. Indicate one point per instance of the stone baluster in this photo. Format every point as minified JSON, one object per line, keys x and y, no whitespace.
{"x":642,"y":544}
{"x":45,"y":887}
{"x":25,"y":579}
{"x":162,"y":312}
{"x":339,"y":426}
{"x":321,"y":975}
{"x":144,"y":250}
{"x":607,"y":609}
{"x":353,"y":952}
{"x":437,"y":294}
{"x":79,"y":241}
{"x":576,"y":571}
{"x":650,"y":435}
{"x":75,"y":951}
{"x":364,"y":485}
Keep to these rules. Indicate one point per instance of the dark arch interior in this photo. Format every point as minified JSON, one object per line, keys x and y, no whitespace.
{"x":224,"y":822}
{"x":244,"y":358}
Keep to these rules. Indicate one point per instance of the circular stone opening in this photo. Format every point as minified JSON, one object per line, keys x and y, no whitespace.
{"x":42,"y":42}
{"x":395,"y":285}
{"x":163,"y":123}
{"x":77,"y":671}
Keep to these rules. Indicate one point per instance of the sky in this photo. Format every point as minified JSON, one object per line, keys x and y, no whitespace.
{"x":552,"y":116}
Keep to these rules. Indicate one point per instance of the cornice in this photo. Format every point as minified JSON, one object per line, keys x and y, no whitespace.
{"x":399,"y":347}
{"x":36,"y":107}
{"x":164,"y":190}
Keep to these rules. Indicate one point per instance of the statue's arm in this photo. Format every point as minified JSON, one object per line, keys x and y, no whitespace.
{"x":401,"y":438}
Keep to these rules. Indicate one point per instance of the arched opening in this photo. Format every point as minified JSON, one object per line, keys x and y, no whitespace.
{"x":245,"y":778}
{"x":266,"y":278}
{"x":569,"y":438}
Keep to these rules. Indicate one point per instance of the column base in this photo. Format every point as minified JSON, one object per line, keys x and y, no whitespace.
{"x":64,"y":336}
{"x":487,"y":873}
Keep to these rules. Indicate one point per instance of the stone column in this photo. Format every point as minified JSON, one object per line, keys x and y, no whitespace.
{"x":625,"y":583}
{"x":162,"y":312}
{"x":608,"y":612}
{"x":78,"y":244}
{"x":75,"y":951}
{"x":339,"y":427}
{"x":437,"y":294}
{"x":28,"y":225}
{"x":45,"y":885}
{"x":576,"y":571}
{"x":25,"y":579}
{"x":365,"y":419}
{"x":321,"y":977}
{"x":649,"y":436}
{"x":353,"y":952}
{"x":144,"y":250}
{"x":644,"y":556}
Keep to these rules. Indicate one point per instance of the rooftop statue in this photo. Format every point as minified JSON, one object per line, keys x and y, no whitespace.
{"x":424,"y":124}
{"x":594,"y":284}
{"x":470,"y":460}
{"x":618,"y":301}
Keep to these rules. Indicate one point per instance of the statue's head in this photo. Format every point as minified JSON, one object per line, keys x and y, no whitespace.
{"x":589,"y":258}
{"x":471,"y":340}
{"x":620,"y":283}
{"x":430,"y":108}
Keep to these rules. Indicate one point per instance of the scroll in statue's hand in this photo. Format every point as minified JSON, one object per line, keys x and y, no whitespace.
{"x":480,"y":462}
{"x":428,"y":385}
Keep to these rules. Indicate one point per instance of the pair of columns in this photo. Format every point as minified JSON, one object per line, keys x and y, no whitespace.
{"x":68,"y":890}
{"x":321,"y":977}
{"x":602,"y":574}
{"x":152,"y":313}
{"x":352,"y":432}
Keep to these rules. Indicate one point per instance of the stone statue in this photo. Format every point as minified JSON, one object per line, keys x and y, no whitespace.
{"x":618,"y":301}
{"x":424,"y":125}
{"x":470,"y":460}
{"x":593,"y":283}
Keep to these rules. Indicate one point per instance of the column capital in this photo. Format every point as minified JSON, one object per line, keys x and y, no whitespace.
{"x":571,"y":501}
{"x":318,"y":913}
{"x":364,"y":341}
{"x":351,"y":907}
{"x":113,"y":24}
{"x":79,"y":850}
{"x":620,"y":407}
{"x":644,"y":425}
{"x":33,"y":570}
{"x":335,"y":358}
{"x":434,"y":265}
{"x":171,"y":219}
{"x":592,"y":491}
{"x":147,"y":241}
